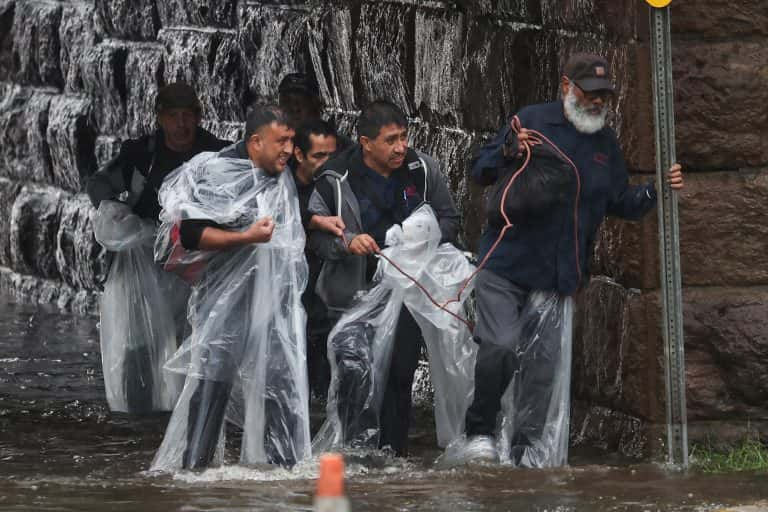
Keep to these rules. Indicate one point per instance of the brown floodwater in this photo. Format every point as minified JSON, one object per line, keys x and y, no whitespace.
{"x":61,"y":449}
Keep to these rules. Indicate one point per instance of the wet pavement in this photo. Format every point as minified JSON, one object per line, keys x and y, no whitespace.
{"x":61,"y":449}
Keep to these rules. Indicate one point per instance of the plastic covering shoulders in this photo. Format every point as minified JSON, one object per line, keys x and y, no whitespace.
{"x":360,"y":344}
{"x":142,"y":315}
{"x":248,"y":325}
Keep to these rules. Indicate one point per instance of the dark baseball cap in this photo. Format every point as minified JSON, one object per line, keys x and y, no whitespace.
{"x":590,"y":72}
{"x":177,"y":95}
{"x":298,"y":83}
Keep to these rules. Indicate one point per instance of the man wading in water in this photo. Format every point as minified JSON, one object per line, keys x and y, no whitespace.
{"x":133,"y":355}
{"x":523,"y":291}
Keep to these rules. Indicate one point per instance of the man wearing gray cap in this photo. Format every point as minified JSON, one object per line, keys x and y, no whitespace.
{"x":134,"y":327}
{"x":534,"y":263}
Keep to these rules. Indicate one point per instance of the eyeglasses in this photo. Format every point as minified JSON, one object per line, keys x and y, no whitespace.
{"x":603,"y":94}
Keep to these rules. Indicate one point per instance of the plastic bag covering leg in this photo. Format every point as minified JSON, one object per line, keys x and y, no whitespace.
{"x":360,"y":345}
{"x":139,"y":315}
{"x":245,"y":358}
{"x":536,"y":405}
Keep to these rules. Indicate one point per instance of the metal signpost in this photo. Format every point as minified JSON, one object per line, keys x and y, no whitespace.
{"x":672,"y":304}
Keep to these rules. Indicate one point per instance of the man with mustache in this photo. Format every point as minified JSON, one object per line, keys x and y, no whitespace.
{"x":227,"y":340}
{"x":550,"y":254}
{"x":372,"y":186}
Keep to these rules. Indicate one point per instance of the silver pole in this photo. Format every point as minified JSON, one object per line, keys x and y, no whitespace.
{"x":669,"y":234}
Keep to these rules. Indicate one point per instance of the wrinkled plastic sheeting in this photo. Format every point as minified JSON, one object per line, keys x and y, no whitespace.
{"x":535,"y":408}
{"x":142,"y":310}
{"x":360,"y":344}
{"x":536,"y":405}
{"x":248,"y":325}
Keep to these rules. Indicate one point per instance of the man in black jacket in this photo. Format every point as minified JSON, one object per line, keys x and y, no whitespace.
{"x":372,"y":186}
{"x":135,"y":175}
{"x":143,"y":163}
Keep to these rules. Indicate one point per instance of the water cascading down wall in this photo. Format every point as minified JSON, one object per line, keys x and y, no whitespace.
{"x":76,"y":77}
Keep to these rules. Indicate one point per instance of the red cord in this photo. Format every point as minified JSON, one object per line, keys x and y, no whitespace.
{"x":534,"y":140}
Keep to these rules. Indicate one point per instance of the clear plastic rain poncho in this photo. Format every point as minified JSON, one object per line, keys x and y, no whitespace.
{"x":535,"y":409}
{"x":246,"y":353}
{"x":360,"y":345}
{"x":142,"y":314}
{"x":536,"y":404}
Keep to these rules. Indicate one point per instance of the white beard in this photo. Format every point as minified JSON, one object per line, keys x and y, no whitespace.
{"x":582,"y":120}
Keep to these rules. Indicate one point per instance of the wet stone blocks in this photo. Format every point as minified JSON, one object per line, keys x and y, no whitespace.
{"x":34,"y":223}
{"x":80,"y":260}
{"x":71,"y":136}
{"x":36,"y":42}
{"x":210,"y":60}
{"x":135,"y":20}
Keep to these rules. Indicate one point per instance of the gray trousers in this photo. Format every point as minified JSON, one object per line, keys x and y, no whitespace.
{"x":516,"y":342}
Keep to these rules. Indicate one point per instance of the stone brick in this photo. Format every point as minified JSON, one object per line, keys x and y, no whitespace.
{"x":104,"y":80}
{"x":127,"y":19}
{"x":708,"y":19}
{"x":726,"y":351}
{"x":330,"y":49}
{"x":723,"y":228}
{"x":7,"y":8}
{"x":36,"y":43}
{"x":34,"y":223}
{"x":71,"y":139}
{"x":24,"y":153}
{"x":210,"y":61}
{"x":145,"y":60}
{"x":8,"y":192}
{"x":384,"y":51}
{"x":77,"y":35}
{"x":80,"y":260}
{"x":274,"y":42}
{"x":719,"y":89}
{"x":216,"y":13}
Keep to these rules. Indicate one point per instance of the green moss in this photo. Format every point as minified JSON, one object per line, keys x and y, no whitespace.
{"x":749,"y":454}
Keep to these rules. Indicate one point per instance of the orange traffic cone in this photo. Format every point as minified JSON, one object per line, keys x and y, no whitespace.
{"x":330,"y":486}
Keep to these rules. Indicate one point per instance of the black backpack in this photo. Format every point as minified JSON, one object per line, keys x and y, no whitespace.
{"x":547,"y":182}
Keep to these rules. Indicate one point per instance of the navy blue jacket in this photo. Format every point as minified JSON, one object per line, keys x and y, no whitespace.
{"x":553,"y":252}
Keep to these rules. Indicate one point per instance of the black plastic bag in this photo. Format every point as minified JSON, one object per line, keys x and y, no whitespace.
{"x":548,"y":181}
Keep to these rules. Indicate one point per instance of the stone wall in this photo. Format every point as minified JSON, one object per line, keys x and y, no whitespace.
{"x":720,"y":62}
{"x":77,"y":77}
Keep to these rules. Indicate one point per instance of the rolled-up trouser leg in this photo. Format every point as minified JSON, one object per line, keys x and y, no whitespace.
{"x":396,"y":405}
{"x":139,"y":382}
{"x":207,"y":408}
{"x":497,"y":330}
{"x":352,"y":351}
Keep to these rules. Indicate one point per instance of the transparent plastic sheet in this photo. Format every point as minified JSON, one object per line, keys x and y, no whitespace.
{"x":536,"y":405}
{"x":139,"y":315}
{"x":535,"y":408}
{"x":360,"y":345}
{"x":245,"y":358}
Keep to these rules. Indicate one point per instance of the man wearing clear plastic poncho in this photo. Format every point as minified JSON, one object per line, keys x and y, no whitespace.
{"x":537,"y":259}
{"x":375,"y":187}
{"x":231,"y":225}
{"x":143,"y":309}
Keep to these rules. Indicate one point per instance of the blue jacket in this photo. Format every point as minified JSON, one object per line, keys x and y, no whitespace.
{"x":553,"y":252}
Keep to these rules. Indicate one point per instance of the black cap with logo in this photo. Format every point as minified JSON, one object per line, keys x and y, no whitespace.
{"x":590,"y":72}
{"x":298,"y":83}
{"x":177,"y":95}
